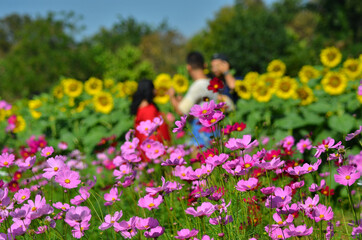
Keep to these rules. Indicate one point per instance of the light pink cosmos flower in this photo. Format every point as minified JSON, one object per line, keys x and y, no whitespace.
{"x":200,"y":111}
{"x":277,"y":233}
{"x":110,"y":220}
{"x":63,"y":146}
{"x":211,"y":119}
{"x":153,"y":149}
{"x":206,"y":209}
{"x":288,"y":142}
{"x":83,"y":196}
{"x":221,"y":220}
{"x":321,"y":212}
{"x":112,"y":196}
{"x":77,"y":215}
{"x":78,"y":230}
{"x":246,"y":185}
{"x":64,"y":207}
{"x":6,"y":160}
{"x":282,"y":198}
{"x":22,"y":195}
{"x":347,"y":175}
{"x":180,"y":124}
{"x":267,"y":190}
{"x":146,"y":127}
{"x":326,"y":144}
{"x":47,"y":151}
{"x":217,"y":159}
{"x":68,"y":179}
{"x":38,"y":207}
{"x":186,"y":233}
{"x":55,"y":166}
{"x":299,"y":231}
{"x":314,"y":187}
{"x":124,"y":169}
{"x":273,"y":164}
{"x":304,"y":144}
{"x":146,"y":223}
{"x":150,"y":202}
{"x":154,"y":232}
{"x":280,"y":222}
{"x":127,"y":228}
{"x":350,"y":136}
{"x":130,"y":147}
{"x":182,"y":172}
{"x":166,"y":187}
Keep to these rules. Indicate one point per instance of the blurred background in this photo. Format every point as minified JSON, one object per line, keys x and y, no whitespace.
{"x":43,"y":41}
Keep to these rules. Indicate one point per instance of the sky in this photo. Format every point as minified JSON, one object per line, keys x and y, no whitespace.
{"x":187,"y":16}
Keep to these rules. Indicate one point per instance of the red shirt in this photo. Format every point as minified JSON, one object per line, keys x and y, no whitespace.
{"x":149,"y":112}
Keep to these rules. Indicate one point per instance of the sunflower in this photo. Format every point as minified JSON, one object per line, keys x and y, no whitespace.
{"x":35,"y":114}
{"x":73,"y":88}
{"x":19,"y":124}
{"x":180,"y":83}
{"x":262,"y":93}
{"x":352,"y":68}
{"x":243,"y":89}
{"x":130,"y":87}
{"x":270,"y":81}
{"x":251,"y":77}
{"x":93,"y":86}
{"x":334,"y":83}
{"x":108,"y":83}
{"x":330,"y":57}
{"x":305,"y":94}
{"x":276,"y":68}
{"x":58,"y":91}
{"x":103,"y":102}
{"x":34,"y":104}
{"x":307,"y":73}
{"x":163,"y":80}
{"x":118,"y":90}
{"x":286,"y":87}
{"x":161,"y":95}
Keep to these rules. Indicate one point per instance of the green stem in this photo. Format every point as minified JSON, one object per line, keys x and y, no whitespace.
{"x":352,"y":205}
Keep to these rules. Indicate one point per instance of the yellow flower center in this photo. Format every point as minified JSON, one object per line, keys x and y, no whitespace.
{"x":156,"y":151}
{"x":310,"y":169}
{"x":280,"y":222}
{"x":213,"y":120}
{"x":204,"y":111}
{"x":23,"y":197}
{"x":63,"y":208}
{"x":348,"y":177}
{"x":247,"y":165}
{"x":56,"y":169}
{"x":216,"y":86}
{"x":151,"y":204}
{"x":149,"y":145}
{"x":183,"y":174}
{"x":279,"y":236}
{"x":48,"y":153}
{"x":6,"y":163}
{"x":321,"y":216}
{"x":113,"y":199}
{"x":33,"y":209}
{"x":67,"y":181}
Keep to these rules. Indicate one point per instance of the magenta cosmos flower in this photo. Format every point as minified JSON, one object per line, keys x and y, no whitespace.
{"x":347,"y":175}
{"x":150,"y":202}
{"x":204,"y":110}
{"x":77,"y":215}
{"x":321,"y":212}
{"x":350,"y":136}
{"x":112,"y":196}
{"x":304,"y":144}
{"x":246,"y":185}
{"x":154,"y":232}
{"x":211,"y":119}
{"x":6,"y":160}
{"x":299,"y":231}
{"x":22,"y":195}
{"x":180,"y":124}
{"x":47,"y":151}
{"x":109,"y":220}
{"x":206,"y":209}
{"x":186,"y":233}
{"x":146,"y":127}
{"x":55,"y":166}
{"x":68,"y":179}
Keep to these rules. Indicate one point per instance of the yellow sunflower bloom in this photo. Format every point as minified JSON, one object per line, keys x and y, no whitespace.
{"x":276,"y":68}
{"x":130,"y":87}
{"x":270,"y":81}
{"x":58,"y":91}
{"x":251,"y":77}
{"x":307,"y":73}
{"x":330,"y":57}
{"x":93,"y":86}
{"x":118,"y":90}
{"x":306,"y":95}
{"x":243,"y":89}
{"x":161,"y":96}
{"x":35,"y":114}
{"x":108,"y":83}
{"x":35,"y":103}
{"x":103,"y":102}
{"x":287,"y":87}
{"x":19,"y":125}
{"x":2,"y":114}
{"x":334,"y":83}
{"x":352,"y":68}
{"x":180,"y":83}
{"x":73,"y":88}
{"x":163,"y":80}
{"x":262,"y":93}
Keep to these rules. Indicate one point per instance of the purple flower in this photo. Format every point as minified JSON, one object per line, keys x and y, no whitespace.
{"x":217,"y":159}
{"x":299,"y":231}
{"x":154,"y":232}
{"x":186,"y":233}
{"x":76,"y":215}
{"x":206,"y":209}
{"x":273,"y":164}
{"x":211,"y":119}
{"x":84,"y":195}
{"x":38,"y":207}
{"x":314,"y":187}
{"x":180,"y":124}
{"x":350,"y":136}
{"x":64,"y":207}
{"x":221,"y":220}
{"x":246,"y":185}
{"x":146,"y":223}
{"x":55,"y":166}
{"x":27,"y":163}
{"x":347,"y":175}
{"x":146,"y":127}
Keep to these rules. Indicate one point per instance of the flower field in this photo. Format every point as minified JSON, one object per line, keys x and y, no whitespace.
{"x":285,"y":165}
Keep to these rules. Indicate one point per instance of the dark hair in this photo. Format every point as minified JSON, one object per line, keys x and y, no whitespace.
{"x":220,"y":56}
{"x":144,"y":92}
{"x":195,"y":60}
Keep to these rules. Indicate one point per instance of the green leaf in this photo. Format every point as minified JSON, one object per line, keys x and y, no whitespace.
{"x":342,"y":124}
{"x":290,"y":121}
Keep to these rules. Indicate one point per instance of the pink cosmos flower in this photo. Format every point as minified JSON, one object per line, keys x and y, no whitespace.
{"x":304,"y":144}
{"x":154,"y":232}
{"x":246,"y":185}
{"x":22,"y":195}
{"x":112,"y":196}
{"x":27,"y":163}
{"x":347,"y":175}
{"x":186,"y":233}
{"x":166,"y":187}
{"x":211,"y":119}
{"x":6,"y":160}
{"x":280,"y":222}
{"x":206,"y":109}
{"x":277,"y":233}
{"x":146,"y":127}
{"x":282,"y":198}
{"x":182,"y":172}
{"x":146,"y":223}
{"x":68,"y":179}
{"x":350,"y":136}
{"x":130,"y":147}
{"x":217,"y":159}
{"x":326,"y":144}
{"x":321,"y":212}
{"x":150,"y":202}
{"x":77,"y":215}
{"x":299,"y":231}
{"x":124,"y":169}
{"x":64,"y":207}
{"x":267,"y":190}
{"x":55,"y":166}
{"x":153,"y":149}
{"x":47,"y":151}
{"x":314,"y":187}
{"x":110,"y":220}
{"x":273,"y":164}
{"x":78,"y":230}
{"x":38,"y":207}
{"x":206,"y":209}
{"x":221,"y":220}
{"x":63,"y":146}
{"x":83,"y":196}
{"x":180,"y":124}
{"x":288,"y":142}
